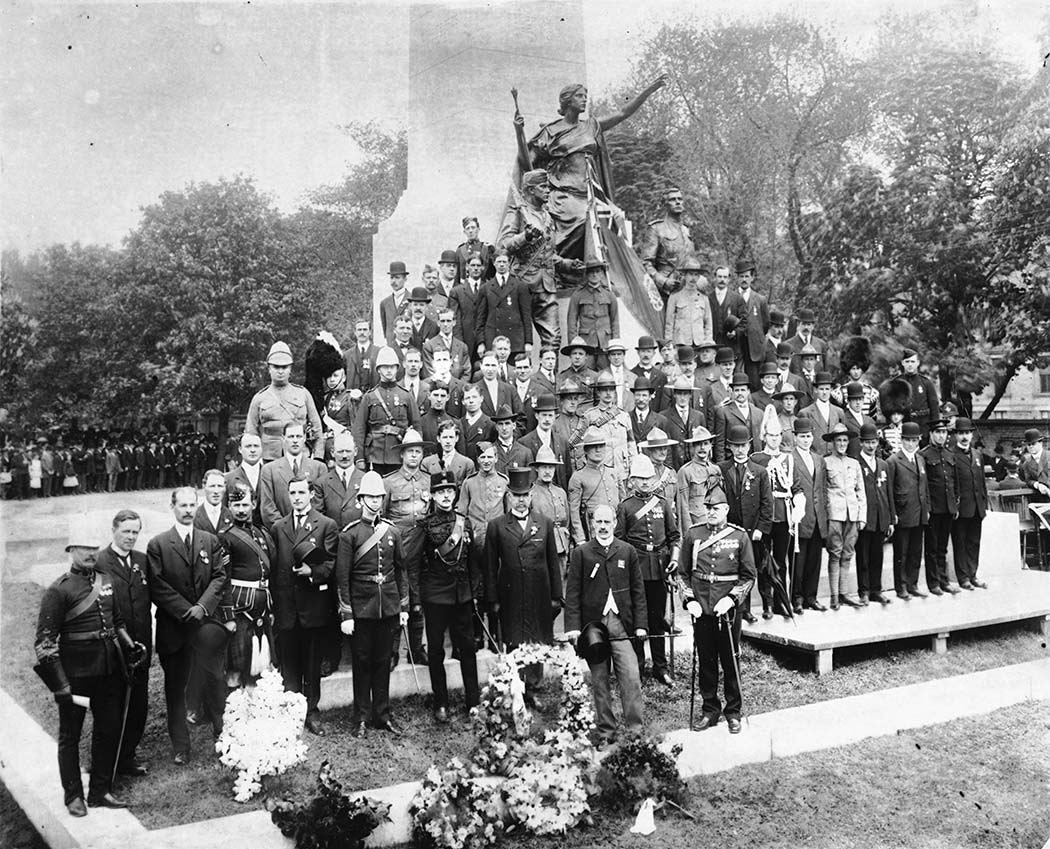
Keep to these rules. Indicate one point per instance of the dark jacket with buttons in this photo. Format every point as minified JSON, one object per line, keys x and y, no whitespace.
{"x":371,"y":574}
{"x":651,"y":529}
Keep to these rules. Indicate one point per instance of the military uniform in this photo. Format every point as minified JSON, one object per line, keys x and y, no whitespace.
{"x":535,"y":263}
{"x":590,"y":487}
{"x":594,"y":316}
{"x":272,"y":408}
{"x":615,"y":425}
{"x":407,"y":500}
{"x":249,"y":551}
{"x":925,"y":403}
{"x":715,"y":564}
{"x":647,"y":523}
{"x":694,"y":482}
{"x":81,"y":652}
{"x":551,"y":502}
{"x":944,"y":506}
{"x":571,"y":430}
{"x":665,"y":484}
{"x":666,"y":245}
{"x":372,"y":583}
{"x":385,"y":414}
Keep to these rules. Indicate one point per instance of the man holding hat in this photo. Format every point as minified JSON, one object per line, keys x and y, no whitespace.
{"x":596,"y":483}
{"x":754,"y":319}
{"x":396,"y":303}
{"x":594,"y":313}
{"x":83,"y":649}
{"x":681,"y":419}
{"x":667,"y":243}
{"x":877,"y":526}
{"x":503,"y":309}
{"x":665,"y":479}
{"x":614,"y":423}
{"x":687,"y":317}
{"x":386,"y":413}
{"x":647,"y":368}
{"x":726,"y":309}
{"x":550,"y":500}
{"x":716,"y":568}
{"x":282,"y":402}
{"x":910,"y":506}
{"x":643,"y":419}
{"x":805,"y":322}
{"x":450,"y":585}
{"x":604,"y":588}
{"x":972,"y":491}
{"x":407,"y":501}
{"x":925,"y":402}
{"x":372,"y":580}
{"x":648,"y":524}
{"x":809,"y":518}
{"x":739,"y":412}
{"x":847,"y":512}
{"x":822,"y":412}
{"x":944,"y":506}
{"x":303,"y":602}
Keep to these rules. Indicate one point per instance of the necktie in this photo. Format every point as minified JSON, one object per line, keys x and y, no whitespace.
{"x":346,"y":480}
{"x":127,"y":562}
{"x":189,"y":547}
{"x":295,"y":468}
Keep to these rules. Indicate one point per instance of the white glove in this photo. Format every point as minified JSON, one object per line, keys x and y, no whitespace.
{"x":694,"y":609}
{"x":347,"y":627}
{"x":403,"y":618}
{"x":723,"y":605}
{"x":572,"y":636}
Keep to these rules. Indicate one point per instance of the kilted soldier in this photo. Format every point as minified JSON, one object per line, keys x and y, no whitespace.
{"x":450,"y":584}
{"x":81,"y":650}
{"x":249,"y":551}
{"x":386,"y":412}
{"x":372,"y":579}
{"x":647,"y":522}
{"x":591,"y":486}
{"x":717,"y":570}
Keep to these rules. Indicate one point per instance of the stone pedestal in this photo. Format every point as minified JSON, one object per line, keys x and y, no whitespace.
{"x":463,"y":62}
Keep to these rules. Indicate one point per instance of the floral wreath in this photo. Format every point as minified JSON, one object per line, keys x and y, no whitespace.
{"x":545,"y":783}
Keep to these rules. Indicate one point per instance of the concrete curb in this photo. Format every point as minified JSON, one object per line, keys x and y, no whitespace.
{"x":33,"y":779}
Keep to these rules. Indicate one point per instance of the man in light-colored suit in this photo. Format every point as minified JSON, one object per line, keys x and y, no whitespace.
{"x":273,"y":482}
{"x":340,"y":485}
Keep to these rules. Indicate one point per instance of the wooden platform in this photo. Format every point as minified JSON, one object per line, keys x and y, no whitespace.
{"x":1014,"y":594}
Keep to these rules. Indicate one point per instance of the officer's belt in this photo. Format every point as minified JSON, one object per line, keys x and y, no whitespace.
{"x":249,"y":585}
{"x":88,"y":636}
{"x":390,"y":430}
{"x":781,"y":494}
{"x":716,"y":579}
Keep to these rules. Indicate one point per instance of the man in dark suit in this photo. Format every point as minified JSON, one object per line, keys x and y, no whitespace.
{"x":273,"y":482}
{"x":494,"y":392}
{"x":754,"y":321}
{"x":750,"y":496}
{"x":249,"y":470}
{"x":396,"y":303}
{"x":643,"y":418}
{"x":681,"y":420}
{"x":186,"y":582}
{"x":212,"y":515}
{"x":340,"y":486}
{"x":361,"y":359}
{"x":877,"y":525}
{"x":463,"y":301}
{"x":422,"y":327}
{"x":604,"y":586}
{"x":303,"y":601}
{"x":910,"y":508}
{"x":725,"y":305}
{"x":855,"y":417}
{"x":445,"y":340}
{"x":546,"y":409}
{"x":647,"y":367}
{"x":504,"y":308}
{"x":738,"y":412}
{"x":822,"y":412}
{"x":805,"y":322}
{"x":126,"y":569}
{"x":972,"y":490}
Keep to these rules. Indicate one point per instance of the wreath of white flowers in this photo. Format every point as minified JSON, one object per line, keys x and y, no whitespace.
{"x":546,"y":782}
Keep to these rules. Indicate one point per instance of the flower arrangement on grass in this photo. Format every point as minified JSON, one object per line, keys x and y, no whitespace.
{"x":261,"y":729}
{"x":547,"y":780}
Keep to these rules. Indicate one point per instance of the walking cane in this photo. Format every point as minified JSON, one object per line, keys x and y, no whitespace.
{"x":692,"y":686}
{"x":726,"y":619}
{"x":671,"y":588}
{"x":412,"y":663}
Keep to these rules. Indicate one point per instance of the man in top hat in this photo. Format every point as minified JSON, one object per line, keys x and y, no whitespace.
{"x":643,"y":418}
{"x":681,"y":419}
{"x":847,"y":512}
{"x":695,"y":478}
{"x":459,"y":356}
{"x":604,"y":587}
{"x":474,"y":247}
{"x":739,"y":412}
{"x":615,"y":424}
{"x":910,"y":505}
{"x":550,"y":500}
{"x":667,"y":243}
{"x":809,"y":518}
{"x":303,"y":599}
{"x":822,"y":412}
{"x":716,"y":569}
{"x":186,"y":582}
{"x":805,"y":323}
{"x":545,"y":436}
{"x":944,"y":506}
{"x":372,"y":580}
{"x":647,"y":523}
{"x":855,"y":416}
{"x":657,"y":446}
{"x":450,"y":585}
{"x":462,"y":300}
{"x":503,"y":309}
{"x":579,"y":353}
{"x":282,"y":402}
{"x":754,"y":322}
{"x":749,"y":494}
{"x":1034,"y":468}
{"x":423,"y":328}
{"x":83,"y":649}
{"x":594,"y":314}
{"x":972,"y":491}
{"x":273,"y":480}
{"x":528,"y":235}
{"x":647,"y":368}
{"x":523,"y":583}
{"x":876,"y":528}
{"x":719,"y":392}
{"x":623,"y":376}
{"x":387,"y":411}
{"x":508,"y":451}
{"x":767,"y":380}
{"x":687,"y":317}
{"x":596,"y":483}
{"x":925,"y":401}
{"x":725,"y":305}
{"x":396,"y":304}
{"x":407,"y":501}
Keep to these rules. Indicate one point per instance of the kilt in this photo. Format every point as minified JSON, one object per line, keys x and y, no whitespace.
{"x":254,"y":617}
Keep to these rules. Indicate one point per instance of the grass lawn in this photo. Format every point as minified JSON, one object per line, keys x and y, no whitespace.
{"x":173,"y":795}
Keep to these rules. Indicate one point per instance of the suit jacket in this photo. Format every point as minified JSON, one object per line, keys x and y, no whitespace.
{"x":560,"y":447}
{"x":505,"y":394}
{"x":427,"y":330}
{"x":822,"y":425}
{"x":340,"y":503}
{"x":680,"y":430}
{"x":729,"y":416}
{"x":822,"y":348}
{"x":593,"y":573}
{"x":971,"y":485}
{"x":750,"y":502}
{"x":909,"y":491}
{"x":273,"y":486}
{"x":460,"y":466}
{"x":361,"y":370}
{"x":815,"y":487}
{"x":642,"y":426}
{"x":876,"y":490}
{"x":308,"y":602}
{"x":657,"y":380}
{"x":503,"y":311}
{"x":483,"y":430}
{"x":201,"y":520}
{"x":179,"y":579}
{"x":464,"y":305}
{"x":1032,"y":471}
{"x":854,"y":431}
{"x":716,"y":394}
{"x":754,"y":322}
{"x":130,"y":594}
{"x":388,"y":313}
{"x":458,"y":352}
{"x":238,"y":475}
{"x":732,"y":305}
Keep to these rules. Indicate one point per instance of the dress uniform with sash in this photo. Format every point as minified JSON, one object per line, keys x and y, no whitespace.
{"x":386,"y":412}
{"x":372,"y":581}
{"x":450,"y":582}
{"x":250,"y":552}
{"x":715,"y":563}
{"x":647,"y":523}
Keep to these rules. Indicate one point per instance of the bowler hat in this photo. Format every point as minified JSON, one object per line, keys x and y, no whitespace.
{"x":777,"y":318}
{"x":730,"y":323}
{"x":443,"y":480}
{"x":646,"y":343}
{"x":448,"y":256}
{"x":504,"y":414}
{"x":854,"y":391}
{"x":838,"y":430}
{"x":784,"y":349}
{"x":911,"y":430}
{"x":802,"y":426}
{"x":686,"y":354}
{"x":823,"y":378}
{"x":642,"y":384}
{"x":1033,"y":435}
{"x":397,"y":267}
{"x":520,"y":479}
{"x":545,"y":404}
{"x":868,"y":431}
{"x":806,"y":315}
{"x":419,"y":294}
{"x":744,"y":265}
{"x":963,"y":425}
{"x":705,"y":344}
{"x":739,"y":379}
{"x":724,"y":356}
{"x":593,"y":644}
{"x":767,"y":369}
{"x":738,"y":435}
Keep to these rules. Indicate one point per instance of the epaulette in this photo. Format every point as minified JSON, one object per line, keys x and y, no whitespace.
{"x":391,"y":474}
{"x":737,"y":527}
{"x":505,"y":477}
{"x":297,"y":386}
{"x":655,"y":221}
{"x":351,"y":524}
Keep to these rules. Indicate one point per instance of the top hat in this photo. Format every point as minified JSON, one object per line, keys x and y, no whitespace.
{"x":307,"y":551}
{"x":520,"y":479}
{"x":738,"y":435}
{"x":593,"y":644}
